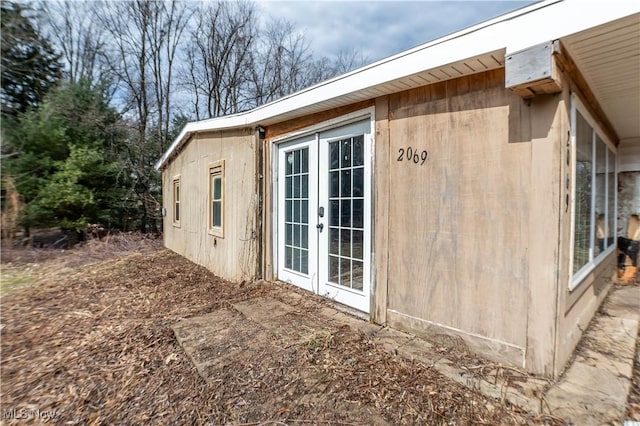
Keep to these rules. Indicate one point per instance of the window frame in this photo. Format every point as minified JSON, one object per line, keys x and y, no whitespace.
{"x":215,"y":171}
{"x":575,"y":279}
{"x":176,"y":197}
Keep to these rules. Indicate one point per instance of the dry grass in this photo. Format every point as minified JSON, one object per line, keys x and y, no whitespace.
{"x":94,"y":345}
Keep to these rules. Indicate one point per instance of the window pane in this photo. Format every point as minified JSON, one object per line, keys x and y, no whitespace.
{"x":358,"y":151}
{"x":296,"y":161}
{"x":345,"y":272}
{"x":358,"y":182}
{"x":345,"y":153}
{"x":217,"y":188}
{"x":177,"y":186}
{"x":297,"y":182}
{"x":288,"y":257}
{"x":345,"y":182}
{"x":288,"y":211}
{"x":304,"y":261}
{"x":288,"y":187}
{"x":296,"y":235}
{"x":357,"y":244}
{"x":334,"y":269}
{"x":177,"y":212}
{"x":358,"y":213}
{"x":582,"y":207}
{"x":334,"y":155}
{"x":304,"y":191}
{"x":304,"y":229}
{"x":600,"y":193}
{"x":304,"y":214}
{"x":289,"y":163}
{"x":357,"y":275}
{"x":217,"y":214}
{"x":296,"y":259}
{"x":334,"y":184}
{"x":611,"y":199}
{"x":345,"y":213}
{"x":334,"y":241}
{"x":345,"y":243}
{"x":334,"y":213}
{"x":305,"y":160}
{"x":288,"y":235}
{"x":296,"y":211}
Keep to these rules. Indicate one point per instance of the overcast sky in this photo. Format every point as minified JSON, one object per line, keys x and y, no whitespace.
{"x":378,"y":29}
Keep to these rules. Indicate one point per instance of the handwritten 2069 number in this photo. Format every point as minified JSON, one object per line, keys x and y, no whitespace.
{"x":412,"y":155}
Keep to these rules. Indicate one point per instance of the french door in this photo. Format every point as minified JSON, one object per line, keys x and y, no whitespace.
{"x":324,"y":213}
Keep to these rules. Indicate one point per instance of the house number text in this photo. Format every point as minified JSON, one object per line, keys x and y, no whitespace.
{"x":412,"y":155}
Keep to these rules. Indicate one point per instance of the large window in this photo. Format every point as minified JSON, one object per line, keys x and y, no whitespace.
{"x":216,"y":198}
{"x":594,"y":197}
{"x":176,"y":200}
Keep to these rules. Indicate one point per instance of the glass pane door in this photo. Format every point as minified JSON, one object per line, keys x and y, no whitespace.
{"x":344,"y":190}
{"x":296,"y":255}
{"x":346,"y":212}
{"x":297,"y":204}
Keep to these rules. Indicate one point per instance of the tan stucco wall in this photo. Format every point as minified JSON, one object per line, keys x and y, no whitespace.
{"x":234,"y":256}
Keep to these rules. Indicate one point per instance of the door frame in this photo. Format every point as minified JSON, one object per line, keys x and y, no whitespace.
{"x":275,"y":145}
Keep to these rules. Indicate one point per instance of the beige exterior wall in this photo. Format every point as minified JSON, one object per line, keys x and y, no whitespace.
{"x":576,"y":307}
{"x":484,"y":255}
{"x":233,"y":256}
{"x":458,"y":226}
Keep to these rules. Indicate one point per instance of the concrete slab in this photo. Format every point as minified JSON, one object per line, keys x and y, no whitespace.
{"x":588,"y":388}
{"x":623,"y":302}
{"x":217,"y":341}
{"x":418,"y":350}
{"x":362,"y":326}
{"x":595,"y":387}
{"x":391,"y":340}
{"x":262,"y":309}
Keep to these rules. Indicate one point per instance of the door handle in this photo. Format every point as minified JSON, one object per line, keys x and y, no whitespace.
{"x":320,"y":226}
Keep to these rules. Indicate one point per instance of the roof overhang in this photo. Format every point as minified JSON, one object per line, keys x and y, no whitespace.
{"x":475,"y":49}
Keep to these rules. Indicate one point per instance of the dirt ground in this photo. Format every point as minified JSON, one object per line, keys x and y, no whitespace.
{"x":86,"y":339}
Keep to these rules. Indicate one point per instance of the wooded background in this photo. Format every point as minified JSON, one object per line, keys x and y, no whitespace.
{"x":93,"y":93}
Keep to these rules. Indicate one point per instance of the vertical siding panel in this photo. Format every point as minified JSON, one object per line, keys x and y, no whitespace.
{"x":234,"y":256}
{"x":381,"y":211}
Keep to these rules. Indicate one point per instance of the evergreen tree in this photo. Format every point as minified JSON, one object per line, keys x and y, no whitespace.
{"x":67,"y":160}
{"x":30,"y":66}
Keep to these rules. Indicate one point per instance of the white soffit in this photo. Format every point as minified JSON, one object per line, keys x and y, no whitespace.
{"x":478,"y":48}
{"x":608,"y":56}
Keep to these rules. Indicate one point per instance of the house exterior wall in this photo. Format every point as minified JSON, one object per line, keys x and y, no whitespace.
{"x":458,"y":225}
{"x":235,"y":255}
{"x":577,"y":306}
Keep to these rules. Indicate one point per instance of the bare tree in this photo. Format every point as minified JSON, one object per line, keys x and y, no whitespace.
{"x":281,"y":63}
{"x":145,"y":38}
{"x":73,"y":28}
{"x":168,"y":24}
{"x":219,"y":58}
